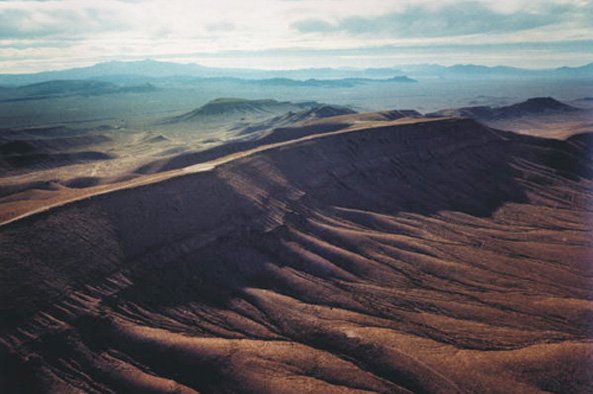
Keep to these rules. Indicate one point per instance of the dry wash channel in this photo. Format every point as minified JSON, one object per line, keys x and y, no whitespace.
{"x":436,"y":257}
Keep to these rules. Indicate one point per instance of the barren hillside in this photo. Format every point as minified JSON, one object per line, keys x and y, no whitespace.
{"x":438,"y":256}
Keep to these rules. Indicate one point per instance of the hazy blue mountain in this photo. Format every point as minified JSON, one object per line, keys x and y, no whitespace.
{"x":64,"y":88}
{"x":288,"y":82}
{"x":472,"y":71}
{"x":144,"y":84}
{"x":146,"y":68}
{"x":329,"y":83}
{"x":132,"y":71}
{"x":586,"y":70}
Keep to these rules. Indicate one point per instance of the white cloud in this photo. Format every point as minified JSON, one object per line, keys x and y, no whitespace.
{"x":73,"y":31}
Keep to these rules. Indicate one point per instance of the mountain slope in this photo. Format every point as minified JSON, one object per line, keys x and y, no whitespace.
{"x":532,"y":106}
{"x":225,"y":109}
{"x":294,"y":118}
{"x":540,"y":116}
{"x":437,"y":256}
{"x":283,"y":128}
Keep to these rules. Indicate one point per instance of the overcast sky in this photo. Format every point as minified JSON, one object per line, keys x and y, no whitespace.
{"x":278,"y":34}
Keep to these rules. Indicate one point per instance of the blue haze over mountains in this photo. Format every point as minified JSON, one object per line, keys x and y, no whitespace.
{"x":139,"y":71}
{"x":144,"y":92}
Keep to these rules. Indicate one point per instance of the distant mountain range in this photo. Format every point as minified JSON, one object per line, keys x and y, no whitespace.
{"x":139,"y":84}
{"x":145,"y":70}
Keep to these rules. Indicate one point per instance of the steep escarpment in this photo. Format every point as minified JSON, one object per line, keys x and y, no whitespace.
{"x":274,"y":136}
{"x":434,"y":257}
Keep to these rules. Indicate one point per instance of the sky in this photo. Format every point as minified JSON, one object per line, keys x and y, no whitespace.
{"x":288,"y":34}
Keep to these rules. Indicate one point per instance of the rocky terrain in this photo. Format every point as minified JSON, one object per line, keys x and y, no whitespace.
{"x":539,"y":116}
{"x":406,"y":255}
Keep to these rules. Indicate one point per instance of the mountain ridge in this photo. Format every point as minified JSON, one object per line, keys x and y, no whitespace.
{"x":224,"y":108}
{"x":152,"y":68}
{"x":302,"y":261}
{"x":532,"y":106}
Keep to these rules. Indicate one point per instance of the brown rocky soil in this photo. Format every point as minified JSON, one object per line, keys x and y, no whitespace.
{"x":432,"y":257}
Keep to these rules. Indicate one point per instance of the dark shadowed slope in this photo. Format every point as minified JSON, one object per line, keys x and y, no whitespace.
{"x":287,"y":127}
{"x":435,"y":257}
{"x":26,"y":150}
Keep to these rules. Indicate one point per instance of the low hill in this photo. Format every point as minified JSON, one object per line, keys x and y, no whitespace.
{"x":225,"y":109}
{"x":40,"y":161}
{"x":401,"y":78}
{"x":541,"y":116}
{"x":25,"y":150}
{"x":294,"y":118}
{"x":322,"y":83}
{"x":52,"y":145}
{"x":533,"y":106}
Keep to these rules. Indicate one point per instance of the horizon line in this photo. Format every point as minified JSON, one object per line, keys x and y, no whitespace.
{"x":298,"y":68}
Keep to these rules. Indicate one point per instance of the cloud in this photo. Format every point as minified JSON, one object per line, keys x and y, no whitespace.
{"x":454,"y":19}
{"x":52,"y":18}
{"x":220,"y":27}
{"x":77,"y":32}
{"x":314,"y":26}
